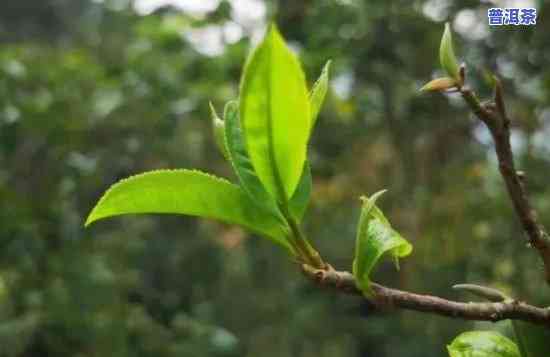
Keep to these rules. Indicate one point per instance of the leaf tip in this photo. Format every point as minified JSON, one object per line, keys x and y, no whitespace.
{"x":326,"y":68}
{"x":446,"y":54}
{"x":90,"y":219}
{"x":273,"y":31}
{"x":374,"y":196}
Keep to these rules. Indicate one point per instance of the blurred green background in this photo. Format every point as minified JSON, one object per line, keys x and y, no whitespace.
{"x":94,"y":91}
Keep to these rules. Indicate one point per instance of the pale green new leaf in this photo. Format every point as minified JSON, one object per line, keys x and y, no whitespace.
{"x":191,"y":193}
{"x":482,"y":344}
{"x":318,"y":93}
{"x":275,"y":115}
{"x":447,"y":55}
{"x":218,"y":129}
{"x":241,"y":162}
{"x":375,"y":237}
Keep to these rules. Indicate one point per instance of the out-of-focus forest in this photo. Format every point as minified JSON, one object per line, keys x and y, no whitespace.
{"x":94,"y":91}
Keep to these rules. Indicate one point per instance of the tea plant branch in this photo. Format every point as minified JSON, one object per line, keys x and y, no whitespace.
{"x":264,"y":136}
{"x":493,"y":115}
{"x":386,"y":298}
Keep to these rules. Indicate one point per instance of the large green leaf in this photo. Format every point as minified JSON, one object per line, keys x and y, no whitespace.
{"x":532,"y":339}
{"x":191,"y":193}
{"x":483,"y":344}
{"x":241,"y":161}
{"x":299,"y":201}
{"x":318,"y":93}
{"x":275,"y":115}
{"x":375,"y":237}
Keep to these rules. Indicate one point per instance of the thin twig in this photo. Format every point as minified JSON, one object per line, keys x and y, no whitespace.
{"x":494,"y":116}
{"x":387,"y":298}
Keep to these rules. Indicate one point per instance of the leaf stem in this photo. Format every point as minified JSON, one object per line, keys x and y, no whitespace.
{"x":299,"y":241}
{"x":304,"y":247}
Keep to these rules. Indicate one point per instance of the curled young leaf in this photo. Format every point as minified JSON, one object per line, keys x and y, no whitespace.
{"x":447,"y":56}
{"x":191,"y":193}
{"x":275,"y":115}
{"x":482,"y":344}
{"x":439,"y":85}
{"x":375,"y":237}
{"x":218,"y":129}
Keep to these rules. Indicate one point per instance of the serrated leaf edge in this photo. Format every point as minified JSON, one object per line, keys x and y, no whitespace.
{"x":90,"y":219}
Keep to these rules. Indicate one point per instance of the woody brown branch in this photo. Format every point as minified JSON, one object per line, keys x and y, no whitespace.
{"x":387,"y":299}
{"x":494,"y":116}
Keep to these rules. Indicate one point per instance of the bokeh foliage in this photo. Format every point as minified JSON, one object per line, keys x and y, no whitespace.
{"x":91,"y":92}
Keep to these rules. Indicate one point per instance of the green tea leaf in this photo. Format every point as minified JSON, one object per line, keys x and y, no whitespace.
{"x":191,"y":193}
{"x":300,"y":200}
{"x":482,"y":344}
{"x":241,"y":162}
{"x":218,"y":129}
{"x":447,"y":55}
{"x":275,"y":115}
{"x":375,"y":237}
{"x":318,"y":93}
{"x":532,"y":339}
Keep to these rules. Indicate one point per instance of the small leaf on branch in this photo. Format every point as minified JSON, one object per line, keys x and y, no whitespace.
{"x":192,"y":193}
{"x":375,"y":237}
{"x":447,"y":56}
